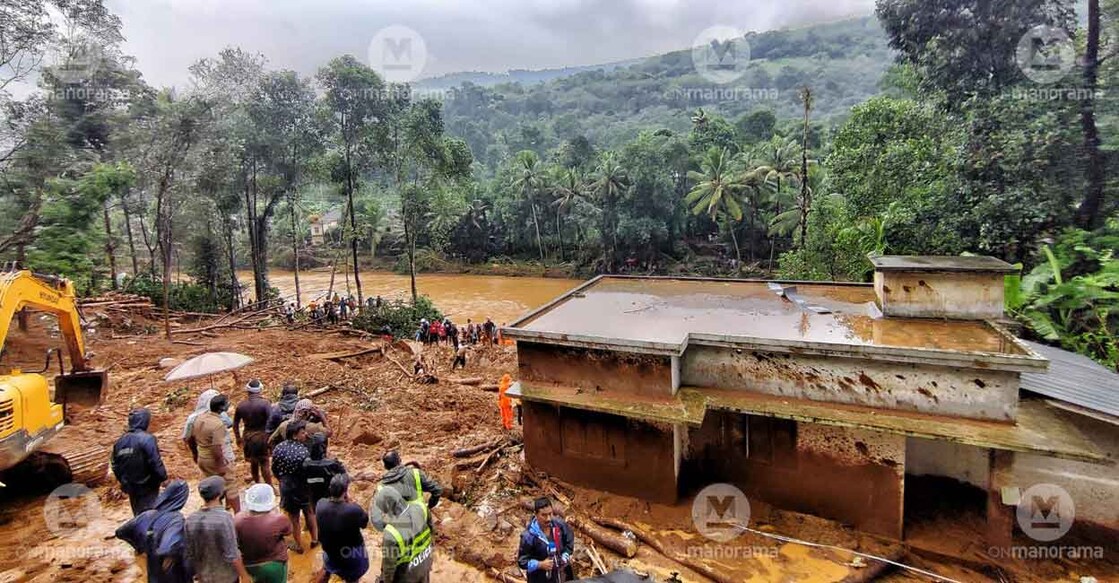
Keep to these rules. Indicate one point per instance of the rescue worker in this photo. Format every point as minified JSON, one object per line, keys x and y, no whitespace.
{"x":407,"y":550}
{"x":409,"y":481}
{"x":504,"y":402}
{"x":284,"y":408}
{"x":546,"y":546}
{"x":319,"y":469}
{"x":137,"y":464}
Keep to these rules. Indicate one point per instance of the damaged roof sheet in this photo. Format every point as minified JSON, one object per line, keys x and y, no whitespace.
{"x":1075,"y":379}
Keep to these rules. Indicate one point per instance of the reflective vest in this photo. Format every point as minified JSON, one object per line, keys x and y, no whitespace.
{"x":419,"y":497}
{"x":420,"y":548}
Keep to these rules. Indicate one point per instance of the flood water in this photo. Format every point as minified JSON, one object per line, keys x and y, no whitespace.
{"x":458,"y":296}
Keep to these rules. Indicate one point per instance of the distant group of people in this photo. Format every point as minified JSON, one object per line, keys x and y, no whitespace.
{"x":447,"y":332}
{"x":287,"y":440}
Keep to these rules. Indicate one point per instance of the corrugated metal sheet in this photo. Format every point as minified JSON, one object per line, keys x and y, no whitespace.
{"x":1074,"y":379}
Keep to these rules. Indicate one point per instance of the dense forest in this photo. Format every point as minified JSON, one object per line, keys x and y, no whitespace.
{"x":913,"y":131}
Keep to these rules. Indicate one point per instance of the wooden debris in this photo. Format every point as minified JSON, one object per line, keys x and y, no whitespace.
{"x":656,"y":544}
{"x":470,"y":451}
{"x":605,"y":537}
{"x":347,"y":354}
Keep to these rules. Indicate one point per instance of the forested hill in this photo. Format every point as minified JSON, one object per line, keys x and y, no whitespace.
{"x":841,"y":61}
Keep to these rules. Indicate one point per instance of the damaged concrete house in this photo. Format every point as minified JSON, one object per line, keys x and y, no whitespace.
{"x":848,"y":401}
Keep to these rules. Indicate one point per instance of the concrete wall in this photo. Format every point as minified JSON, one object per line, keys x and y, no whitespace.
{"x":585,"y":368}
{"x":601,"y":451}
{"x":1094,"y":488}
{"x":965,"y":463}
{"x":974,"y":393}
{"x":935,"y":294}
{"x":852,"y":476}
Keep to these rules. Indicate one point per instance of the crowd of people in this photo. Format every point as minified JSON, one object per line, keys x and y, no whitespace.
{"x":289,"y":441}
{"x":330,"y":309}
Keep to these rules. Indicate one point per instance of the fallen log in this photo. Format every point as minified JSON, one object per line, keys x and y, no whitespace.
{"x":187,"y":342}
{"x":467,"y":381}
{"x":346,"y":354}
{"x":656,"y":544}
{"x":489,"y":388}
{"x":469,"y":451}
{"x":318,"y":391}
{"x":607,"y":538}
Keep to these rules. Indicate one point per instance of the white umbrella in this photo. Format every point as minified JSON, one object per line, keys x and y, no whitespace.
{"x":208,"y":364}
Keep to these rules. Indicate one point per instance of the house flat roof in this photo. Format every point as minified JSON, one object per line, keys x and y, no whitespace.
{"x":662,"y":315}
{"x":941,"y":263}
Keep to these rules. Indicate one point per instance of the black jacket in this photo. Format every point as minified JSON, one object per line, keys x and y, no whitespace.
{"x":136,"y":461}
{"x":534,"y":549}
{"x":281,"y":411}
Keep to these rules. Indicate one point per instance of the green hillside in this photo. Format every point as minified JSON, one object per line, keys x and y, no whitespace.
{"x":842,"y":62}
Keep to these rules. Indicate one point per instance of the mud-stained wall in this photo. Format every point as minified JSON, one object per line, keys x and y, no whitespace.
{"x":601,"y":451}
{"x":973,"y":393}
{"x":930,"y":457}
{"x":971,"y":296}
{"x":848,"y":475}
{"x":1094,"y":488}
{"x":620,"y":371}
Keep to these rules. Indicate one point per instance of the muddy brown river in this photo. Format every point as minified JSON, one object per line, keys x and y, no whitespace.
{"x":459,"y":296}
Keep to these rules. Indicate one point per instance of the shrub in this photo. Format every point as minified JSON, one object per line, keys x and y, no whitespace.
{"x":401,"y":317}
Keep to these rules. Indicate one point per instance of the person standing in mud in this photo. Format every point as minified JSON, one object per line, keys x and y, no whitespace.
{"x":319,"y":469}
{"x":546,"y":546}
{"x":460,"y":357}
{"x":295,"y":497}
{"x":254,"y":412}
{"x":409,"y":481}
{"x":137,"y":464}
{"x":260,"y":536}
{"x":284,"y":408}
{"x":159,"y":534}
{"x":490,"y":331}
{"x":343,"y":545}
{"x":212,"y":449}
{"x":407,"y":549}
{"x":211,"y":539}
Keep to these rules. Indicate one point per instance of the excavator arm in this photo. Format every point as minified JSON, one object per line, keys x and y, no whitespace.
{"x":54,"y":295}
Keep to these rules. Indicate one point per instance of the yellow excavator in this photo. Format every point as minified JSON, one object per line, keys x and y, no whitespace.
{"x":34,"y":449}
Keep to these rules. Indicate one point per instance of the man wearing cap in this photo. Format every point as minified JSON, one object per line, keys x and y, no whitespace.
{"x":211,"y":540}
{"x":211,"y":447}
{"x":409,"y":481}
{"x":260,"y":536}
{"x":254,"y":411}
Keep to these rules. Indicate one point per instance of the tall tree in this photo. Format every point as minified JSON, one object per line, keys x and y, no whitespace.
{"x":805,"y":201}
{"x":716,"y":191}
{"x":355,"y":102}
{"x":1088,"y":213}
{"x":610,"y":182}
{"x":528,"y":182}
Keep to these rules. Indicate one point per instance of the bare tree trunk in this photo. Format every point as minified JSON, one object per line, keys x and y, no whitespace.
{"x":131,"y":240}
{"x":805,"y":192}
{"x":295,"y":252}
{"x":149,"y":245}
{"x":234,"y":283}
{"x":353,"y":228}
{"x":1088,"y":214}
{"x":539,"y":241}
{"x":109,"y":247}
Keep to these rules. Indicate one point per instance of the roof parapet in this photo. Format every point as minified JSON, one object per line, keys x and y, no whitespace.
{"x":958,"y":288}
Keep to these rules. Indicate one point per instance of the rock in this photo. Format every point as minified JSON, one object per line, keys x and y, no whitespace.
{"x":367,"y":437}
{"x":169,"y":362}
{"x":504,"y":527}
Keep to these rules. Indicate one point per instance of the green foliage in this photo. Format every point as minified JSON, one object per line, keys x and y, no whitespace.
{"x":401,"y":317}
{"x":1071,"y":299}
{"x":184,"y":296}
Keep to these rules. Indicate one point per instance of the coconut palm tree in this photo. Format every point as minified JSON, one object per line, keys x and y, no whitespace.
{"x":778,"y":159}
{"x":528,"y":182}
{"x":716,"y":191}
{"x":567,"y":187}
{"x":610,"y":181}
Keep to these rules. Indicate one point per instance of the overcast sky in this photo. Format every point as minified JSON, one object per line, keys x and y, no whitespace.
{"x":166,"y":36}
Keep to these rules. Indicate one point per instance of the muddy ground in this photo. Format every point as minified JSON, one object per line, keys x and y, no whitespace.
{"x":373,"y":406}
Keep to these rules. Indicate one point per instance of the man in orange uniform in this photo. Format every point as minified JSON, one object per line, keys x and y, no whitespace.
{"x":505,"y":403}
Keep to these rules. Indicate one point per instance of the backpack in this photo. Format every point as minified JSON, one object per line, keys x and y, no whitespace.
{"x":130,"y":462}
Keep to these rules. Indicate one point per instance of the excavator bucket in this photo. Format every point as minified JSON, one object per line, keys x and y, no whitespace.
{"x":80,"y":388}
